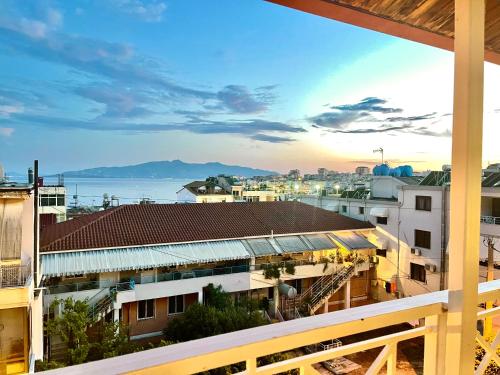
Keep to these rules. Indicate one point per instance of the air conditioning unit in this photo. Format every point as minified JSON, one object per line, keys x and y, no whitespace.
{"x":431,"y":267}
{"x":416,"y":251}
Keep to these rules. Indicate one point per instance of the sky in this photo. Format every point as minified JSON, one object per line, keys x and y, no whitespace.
{"x":116,"y":82}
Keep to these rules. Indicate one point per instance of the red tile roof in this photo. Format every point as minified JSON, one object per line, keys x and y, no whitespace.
{"x":130,"y":225}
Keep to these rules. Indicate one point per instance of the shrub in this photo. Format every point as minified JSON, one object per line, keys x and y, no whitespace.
{"x":272,"y":271}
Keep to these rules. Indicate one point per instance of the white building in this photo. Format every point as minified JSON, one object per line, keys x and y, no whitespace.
{"x":413,"y":216}
{"x":52,"y":200}
{"x":204,"y":192}
{"x":222,"y":192}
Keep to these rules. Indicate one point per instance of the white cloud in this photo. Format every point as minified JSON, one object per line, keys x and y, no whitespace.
{"x":148,"y":11}
{"x":6,"y":132}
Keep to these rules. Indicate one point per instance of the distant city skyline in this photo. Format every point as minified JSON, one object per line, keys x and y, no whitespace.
{"x":118,"y":82}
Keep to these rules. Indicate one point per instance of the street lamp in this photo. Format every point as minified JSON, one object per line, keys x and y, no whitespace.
{"x":337,"y":187}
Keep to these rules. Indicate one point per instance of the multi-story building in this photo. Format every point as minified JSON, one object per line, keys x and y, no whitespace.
{"x":221,"y":191}
{"x":204,"y":192}
{"x":21,"y":336}
{"x":143,"y":264}
{"x":294,"y":174}
{"x":362,"y":171}
{"x":413,"y":214}
{"x":52,"y":198}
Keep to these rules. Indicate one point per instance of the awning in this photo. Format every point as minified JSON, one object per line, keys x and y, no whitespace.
{"x":319,"y":241}
{"x":121,"y":259}
{"x":291,"y":244}
{"x":379,"y":212}
{"x":259,"y":246}
{"x":353,"y":241}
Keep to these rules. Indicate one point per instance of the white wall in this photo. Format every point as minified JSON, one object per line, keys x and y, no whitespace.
{"x":185,"y":196}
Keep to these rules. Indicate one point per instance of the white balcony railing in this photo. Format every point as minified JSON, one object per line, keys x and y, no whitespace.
{"x":15,"y":275}
{"x":490,"y":220}
{"x":246,"y":346}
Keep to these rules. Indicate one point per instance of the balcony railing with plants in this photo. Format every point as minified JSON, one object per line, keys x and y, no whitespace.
{"x":14,"y":275}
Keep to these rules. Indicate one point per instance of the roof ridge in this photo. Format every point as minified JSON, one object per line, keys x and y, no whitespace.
{"x":92,"y":222}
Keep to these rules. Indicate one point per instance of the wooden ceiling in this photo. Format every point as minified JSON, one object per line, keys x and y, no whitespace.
{"x":425,"y":21}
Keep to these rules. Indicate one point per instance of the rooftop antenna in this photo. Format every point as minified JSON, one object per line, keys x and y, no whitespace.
{"x":381,"y":150}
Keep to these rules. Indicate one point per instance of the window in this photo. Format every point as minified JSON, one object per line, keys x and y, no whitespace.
{"x":422,"y":238}
{"x":417,"y":272}
{"x":61,"y":200}
{"x":146,"y":309}
{"x":423,"y":203}
{"x":381,"y":220}
{"x":382,"y":253}
{"x":344,"y":209}
{"x":52,"y":200}
{"x":176,"y":304}
{"x":361,"y":210}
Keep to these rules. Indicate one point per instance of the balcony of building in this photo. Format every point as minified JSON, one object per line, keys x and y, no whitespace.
{"x":16,"y":294}
{"x":16,"y":284}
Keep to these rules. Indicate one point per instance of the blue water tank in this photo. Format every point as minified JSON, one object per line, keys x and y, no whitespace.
{"x":406,"y":171}
{"x":376,"y":171}
{"x":395,"y":172}
{"x":384,"y":170}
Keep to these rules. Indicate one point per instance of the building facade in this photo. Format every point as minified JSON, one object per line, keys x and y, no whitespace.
{"x":413,"y":215}
{"x":157,"y":271}
{"x":21,"y":320}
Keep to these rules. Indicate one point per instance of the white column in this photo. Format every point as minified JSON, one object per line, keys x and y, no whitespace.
{"x":276,"y":299}
{"x":347,"y":295}
{"x":116,"y":315}
{"x":465,"y":185}
{"x":200,"y":297}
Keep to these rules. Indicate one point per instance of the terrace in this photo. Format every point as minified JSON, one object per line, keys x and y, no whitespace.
{"x":449,"y":317}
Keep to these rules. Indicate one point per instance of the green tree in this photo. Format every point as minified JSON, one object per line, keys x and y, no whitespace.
{"x":216,"y":297}
{"x":110,"y":340}
{"x":219,"y":315}
{"x":71,"y":326}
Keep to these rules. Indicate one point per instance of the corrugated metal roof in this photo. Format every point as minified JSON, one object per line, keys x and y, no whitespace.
{"x":259,"y":246}
{"x":320,"y":241}
{"x":353,"y":241}
{"x":121,"y":259}
{"x":291,"y":244}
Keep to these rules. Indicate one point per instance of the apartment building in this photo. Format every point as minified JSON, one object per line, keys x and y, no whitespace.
{"x":413,"y":216}
{"x":21,"y":335}
{"x":52,"y":203}
{"x":143,"y":264}
{"x":220,"y":190}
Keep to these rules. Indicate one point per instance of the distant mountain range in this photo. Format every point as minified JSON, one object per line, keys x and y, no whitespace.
{"x":169,"y":169}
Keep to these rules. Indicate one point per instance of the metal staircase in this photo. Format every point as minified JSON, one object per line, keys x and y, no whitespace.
{"x":100,"y":304}
{"x":325,"y":287}
{"x":318,"y":293}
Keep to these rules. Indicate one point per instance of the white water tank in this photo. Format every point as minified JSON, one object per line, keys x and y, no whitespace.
{"x":287,"y":290}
